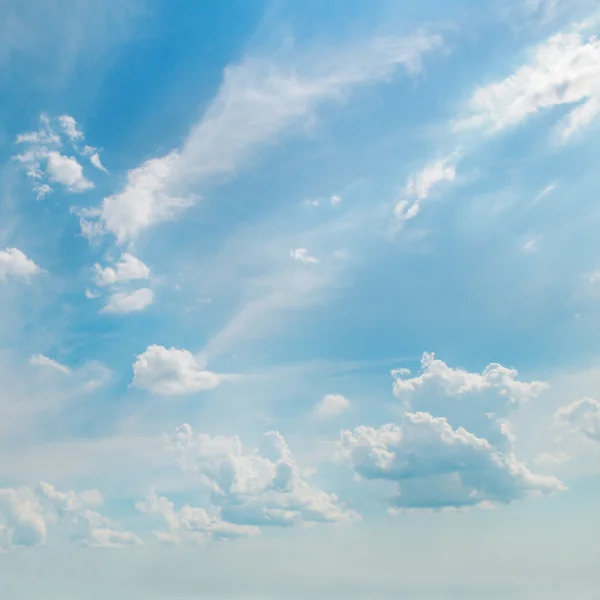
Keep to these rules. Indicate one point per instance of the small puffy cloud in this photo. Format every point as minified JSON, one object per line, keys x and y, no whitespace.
{"x":67,"y":171}
{"x":171,"y":371}
{"x":531,"y":245}
{"x":332,"y":405}
{"x":43,"y":361}
{"x":13,"y":263}
{"x":128,"y":268}
{"x":564,"y":71}
{"x":438,"y":467}
{"x":69,"y":126}
{"x":335,"y":200}
{"x":582,"y":417}
{"x":122,"y":303}
{"x":302,"y":255}
{"x":422,"y":184}
{"x":255,"y":488}
{"x":191,"y":523}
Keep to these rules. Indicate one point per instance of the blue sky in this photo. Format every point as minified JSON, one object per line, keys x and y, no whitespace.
{"x":300,"y":300}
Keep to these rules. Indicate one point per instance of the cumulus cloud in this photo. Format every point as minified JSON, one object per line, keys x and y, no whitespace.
{"x":421,"y":185}
{"x":454,"y":447}
{"x":43,"y":361}
{"x":564,"y":71}
{"x":67,"y":171}
{"x":26,"y":513}
{"x":13,"y":263}
{"x":438,"y":467}
{"x":128,"y":268}
{"x":582,"y":417}
{"x":332,"y":405}
{"x":171,"y":371}
{"x":191,"y":523}
{"x":256,"y":488}
{"x":122,"y":303}
{"x":22,"y":521}
{"x":256,"y":103}
{"x":480,"y":402}
{"x":44,"y":162}
{"x":302,"y":255}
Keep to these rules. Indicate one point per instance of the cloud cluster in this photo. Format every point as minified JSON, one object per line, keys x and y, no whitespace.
{"x":255,"y":488}
{"x":454,"y":445}
{"x":26,"y":515}
{"x":123,"y":299}
{"x":44,"y":161}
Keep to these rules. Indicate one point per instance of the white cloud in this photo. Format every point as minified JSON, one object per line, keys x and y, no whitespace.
{"x":256,"y":103}
{"x":583,"y":417}
{"x":22,"y":521}
{"x":531,"y":245}
{"x":420,"y":186}
{"x":122,"y":303}
{"x":145,"y":199}
{"x":262,"y":487}
{"x":191,"y":523}
{"x":69,"y":126}
{"x":332,"y":405}
{"x":564,"y":70}
{"x":543,"y":193}
{"x":302,"y":255}
{"x":170,"y":371}
{"x":480,"y":402}
{"x":96,"y":162}
{"x":128,"y":268}
{"x":438,"y":467}
{"x":13,"y":263}
{"x":595,"y":277}
{"x":336,"y":199}
{"x":67,"y":171}
{"x":43,"y":361}
{"x":74,"y":511}
{"x":25,"y":515}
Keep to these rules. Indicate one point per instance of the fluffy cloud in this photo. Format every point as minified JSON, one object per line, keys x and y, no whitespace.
{"x":302,"y":255}
{"x":454,"y":446}
{"x":191,"y":523}
{"x":26,"y":513}
{"x":14,"y":263}
{"x":260,"y":487}
{"x":582,"y":417}
{"x":145,"y":199}
{"x":122,"y":303}
{"x":127,"y":269}
{"x":420,"y":185}
{"x":67,"y":171}
{"x":170,"y":371}
{"x":43,"y":361}
{"x":257,"y":102}
{"x":564,"y":70}
{"x":332,"y":405}
{"x":436,"y":466}
{"x":480,"y":402}
{"x":22,"y":521}
{"x":42,"y":158}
